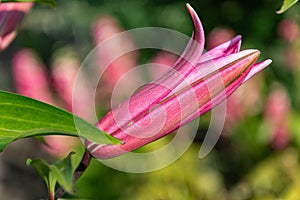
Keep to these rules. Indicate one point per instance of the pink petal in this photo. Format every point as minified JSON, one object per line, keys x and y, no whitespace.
{"x":231,"y":78}
{"x":257,"y":68}
{"x":232,"y":46}
{"x":7,"y":39}
{"x":210,"y":66}
{"x":11,"y":15}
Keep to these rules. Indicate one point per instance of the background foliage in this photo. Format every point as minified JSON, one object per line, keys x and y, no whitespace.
{"x":245,"y":164}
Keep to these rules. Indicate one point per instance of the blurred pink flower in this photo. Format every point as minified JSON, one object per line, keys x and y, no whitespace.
{"x":242,"y":103}
{"x":103,"y":29}
{"x":32,"y":80}
{"x":291,"y":57}
{"x":160,"y":62}
{"x":276,"y":114}
{"x":218,"y":36}
{"x":288,"y":29}
{"x":190,"y":88}
{"x":11,"y":15}
{"x":30,"y":76}
{"x":64,"y":71}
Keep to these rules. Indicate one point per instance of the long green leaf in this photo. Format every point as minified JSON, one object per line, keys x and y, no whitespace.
{"x":22,"y":117}
{"x":49,"y":2}
{"x":286,"y":5}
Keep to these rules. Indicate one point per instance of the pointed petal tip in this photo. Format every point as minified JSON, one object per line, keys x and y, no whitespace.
{"x":192,"y":12}
{"x":255,"y":54}
{"x":188,"y":6}
{"x":263,"y":64}
{"x":237,"y":42}
{"x":198,"y":34}
{"x":257,"y":68}
{"x":267,"y":62}
{"x":237,"y":39}
{"x":250,"y":53}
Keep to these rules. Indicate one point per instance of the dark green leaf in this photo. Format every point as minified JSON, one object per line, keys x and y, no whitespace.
{"x":286,"y":5}
{"x":22,"y":117}
{"x":49,"y":2}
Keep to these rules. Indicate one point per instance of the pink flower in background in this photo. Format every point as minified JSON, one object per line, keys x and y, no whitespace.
{"x":292,"y":57}
{"x":193,"y":85}
{"x":218,"y":36}
{"x":30,"y":76}
{"x":32,"y":80}
{"x":288,"y":29}
{"x":161,"y":61}
{"x":64,"y":70}
{"x":11,"y":15}
{"x":103,"y":29}
{"x":244,"y":102}
{"x":276,"y":114}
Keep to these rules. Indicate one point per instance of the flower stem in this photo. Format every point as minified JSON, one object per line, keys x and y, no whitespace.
{"x":51,"y":196}
{"x":84,"y":163}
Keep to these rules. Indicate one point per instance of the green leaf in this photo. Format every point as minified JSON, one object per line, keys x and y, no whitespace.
{"x":49,"y":2}
{"x":64,"y":170}
{"x":286,"y":5}
{"x":45,"y":172}
{"x":22,"y":117}
{"x":60,"y":172}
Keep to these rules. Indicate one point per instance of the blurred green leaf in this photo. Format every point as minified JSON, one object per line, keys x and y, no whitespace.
{"x":22,"y":117}
{"x":61,"y":172}
{"x":292,"y":192}
{"x":261,"y":182}
{"x":286,"y":5}
{"x":49,"y":2}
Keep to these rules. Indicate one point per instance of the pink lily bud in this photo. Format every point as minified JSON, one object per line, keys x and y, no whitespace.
{"x":11,"y":15}
{"x":194,"y":84}
{"x":31,"y":78}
